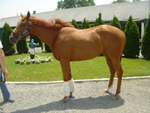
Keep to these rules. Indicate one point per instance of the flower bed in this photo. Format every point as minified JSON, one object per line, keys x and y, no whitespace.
{"x":36,"y":60}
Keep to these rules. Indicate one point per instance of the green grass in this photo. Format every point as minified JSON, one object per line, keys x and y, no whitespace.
{"x":89,"y":69}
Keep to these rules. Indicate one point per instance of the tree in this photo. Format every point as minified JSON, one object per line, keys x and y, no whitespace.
{"x":81,"y":3}
{"x":136,"y":0}
{"x":115,"y":22}
{"x":146,"y":41}
{"x":7,"y":46}
{"x":132,"y":39}
{"x":36,"y":40}
{"x":85,"y":24}
{"x":22,"y":46}
{"x":65,"y":4}
{"x":120,"y":1}
{"x":74,"y":23}
{"x":99,"y":20}
{"x":88,"y":24}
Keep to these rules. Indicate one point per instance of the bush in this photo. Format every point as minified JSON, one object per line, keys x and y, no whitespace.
{"x":37,"y":60}
{"x":7,"y":46}
{"x":99,"y":20}
{"x":74,"y":23}
{"x":85,"y":24}
{"x":22,"y":46}
{"x":132,"y":39}
{"x":88,"y":24}
{"x":47,"y":48}
{"x":115,"y":22}
{"x":146,"y":41}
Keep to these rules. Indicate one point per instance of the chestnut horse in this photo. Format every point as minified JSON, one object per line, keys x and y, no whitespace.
{"x":70,"y":44}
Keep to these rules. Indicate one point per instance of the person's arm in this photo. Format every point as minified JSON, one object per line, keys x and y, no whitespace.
{"x":2,"y":63}
{"x":35,"y":44}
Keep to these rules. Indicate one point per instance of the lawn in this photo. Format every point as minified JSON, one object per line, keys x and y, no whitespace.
{"x":89,"y":69}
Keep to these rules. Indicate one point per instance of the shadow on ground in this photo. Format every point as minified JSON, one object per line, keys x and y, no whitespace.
{"x":102,"y":102}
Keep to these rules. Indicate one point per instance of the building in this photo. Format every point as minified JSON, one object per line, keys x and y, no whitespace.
{"x":138,"y":10}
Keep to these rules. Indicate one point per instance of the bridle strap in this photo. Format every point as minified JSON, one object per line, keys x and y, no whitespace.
{"x":28,"y":29}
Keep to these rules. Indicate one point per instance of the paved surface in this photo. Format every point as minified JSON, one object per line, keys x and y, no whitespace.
{"x":89,"y":98}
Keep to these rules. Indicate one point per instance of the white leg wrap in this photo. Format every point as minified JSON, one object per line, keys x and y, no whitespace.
{"x":66,"y":89}
{"x":71,"y":85}
{"x":107,"y":90}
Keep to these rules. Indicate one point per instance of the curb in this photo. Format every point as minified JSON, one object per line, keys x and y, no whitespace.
{"x":78,"y":81}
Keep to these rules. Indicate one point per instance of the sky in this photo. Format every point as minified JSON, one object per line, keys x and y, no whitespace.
{"x":9,"y":8}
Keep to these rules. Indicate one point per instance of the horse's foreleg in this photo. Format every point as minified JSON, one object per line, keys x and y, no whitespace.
{"x":68,"y":82}
{"x":112,"y":72}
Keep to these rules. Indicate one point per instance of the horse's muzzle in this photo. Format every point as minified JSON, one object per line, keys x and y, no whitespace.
{"x":13,"y":39}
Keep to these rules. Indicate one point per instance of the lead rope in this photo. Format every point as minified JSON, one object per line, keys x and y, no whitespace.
{"x":13,"y":45}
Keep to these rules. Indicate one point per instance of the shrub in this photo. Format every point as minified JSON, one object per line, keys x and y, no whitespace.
{"x":7,"y":46}
{"x":115,"y":22}
{"x":47,"y":48}
{"x":132,"y":39}
{"x":74,"y":23}
{"x":88,"y":24}
{"x":99,"y":20}
{"x":37,"y":60}
{"x":146,"y":41}
{"x":22,"y":46}
{"x":85,"y":24}
{"x":17,"y":61}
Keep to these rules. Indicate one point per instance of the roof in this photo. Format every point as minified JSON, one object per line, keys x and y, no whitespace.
{"x":138,"y":10}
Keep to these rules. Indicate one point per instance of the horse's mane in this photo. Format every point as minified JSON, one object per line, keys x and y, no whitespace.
{"x":53,"y":23}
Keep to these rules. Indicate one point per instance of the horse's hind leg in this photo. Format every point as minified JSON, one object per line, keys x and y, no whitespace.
{"x":112,"y":71}
{"x":118,"y":68}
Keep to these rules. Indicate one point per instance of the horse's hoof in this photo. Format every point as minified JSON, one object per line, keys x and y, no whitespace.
{"x":71,"y":97}
{"x":63,"y":101}
{"x":114,"y":98}
{"x":106,"y":91}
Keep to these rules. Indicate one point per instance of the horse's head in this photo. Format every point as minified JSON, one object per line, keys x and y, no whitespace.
{"x":22,"y":29}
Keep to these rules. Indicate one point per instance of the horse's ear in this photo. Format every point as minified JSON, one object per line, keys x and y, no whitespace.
{"x":21,"y":14}
{"x":28,"y":14}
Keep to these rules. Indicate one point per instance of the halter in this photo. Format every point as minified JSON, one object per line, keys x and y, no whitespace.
{"x":28,"y":29}
{"x":20,"y":35}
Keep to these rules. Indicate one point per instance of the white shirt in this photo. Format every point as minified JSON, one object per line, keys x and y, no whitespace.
{"x":1,"y":44}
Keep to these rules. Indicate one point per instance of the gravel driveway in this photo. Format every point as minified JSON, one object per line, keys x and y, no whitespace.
{"x":89,"y":98}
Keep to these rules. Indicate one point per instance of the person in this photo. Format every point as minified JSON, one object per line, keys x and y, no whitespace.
{"x":4,"y":73}
{"x":32,"y":48}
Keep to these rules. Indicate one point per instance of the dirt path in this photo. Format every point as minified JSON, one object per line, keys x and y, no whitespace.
{"x":89,"y":97}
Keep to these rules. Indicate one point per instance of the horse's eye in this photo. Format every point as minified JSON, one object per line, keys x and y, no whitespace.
{"x":22,"y":24}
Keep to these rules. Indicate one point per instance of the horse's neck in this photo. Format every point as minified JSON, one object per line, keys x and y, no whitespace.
{"x":45,"y":34}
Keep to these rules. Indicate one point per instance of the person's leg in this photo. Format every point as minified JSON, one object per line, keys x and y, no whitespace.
{"x":4,"y":90}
